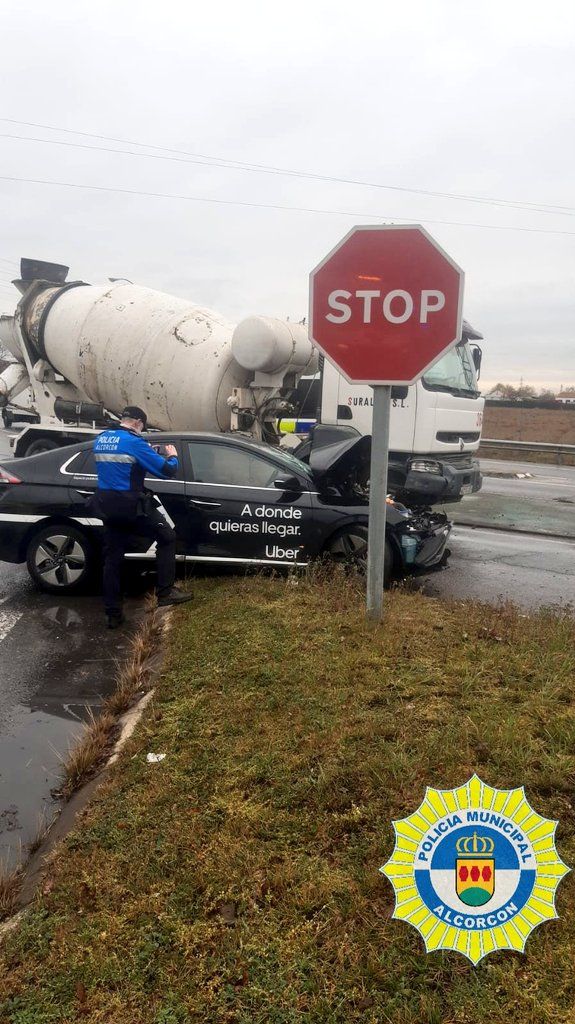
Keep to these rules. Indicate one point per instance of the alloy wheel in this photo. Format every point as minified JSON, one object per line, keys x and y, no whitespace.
{"x":350,"y":547}
{"x":60,"y":560}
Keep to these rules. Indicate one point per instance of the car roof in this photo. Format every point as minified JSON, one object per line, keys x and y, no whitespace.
{"x":161,"y":436}
{"x":203,"y":435}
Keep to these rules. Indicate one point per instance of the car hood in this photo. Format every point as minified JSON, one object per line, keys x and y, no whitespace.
{"x":334,"y":462}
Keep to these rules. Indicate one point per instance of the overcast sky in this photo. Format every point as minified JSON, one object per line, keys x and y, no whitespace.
{"x":445,"y":96}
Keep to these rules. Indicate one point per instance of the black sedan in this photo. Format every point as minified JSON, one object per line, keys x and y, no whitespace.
{"x":234,"y":501}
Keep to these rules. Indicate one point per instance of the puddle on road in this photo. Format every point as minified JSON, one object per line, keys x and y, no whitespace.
{"x":30,"y":768}
{"x":57,"y":675}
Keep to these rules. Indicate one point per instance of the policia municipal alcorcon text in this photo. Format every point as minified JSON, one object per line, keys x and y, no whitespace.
{"x":123,"y":460}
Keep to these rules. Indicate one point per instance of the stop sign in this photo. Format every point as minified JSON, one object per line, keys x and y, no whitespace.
{"x":385,"y":304}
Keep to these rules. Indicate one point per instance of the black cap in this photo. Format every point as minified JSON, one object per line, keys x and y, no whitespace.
{"x":133,"y":412}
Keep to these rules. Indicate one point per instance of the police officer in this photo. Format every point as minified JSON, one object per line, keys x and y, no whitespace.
{"x":123,"y":460}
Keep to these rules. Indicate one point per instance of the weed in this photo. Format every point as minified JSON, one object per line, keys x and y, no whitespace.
{"x":81,"y":761}
{"x":10,"y":885}
{"x":38,"y":838}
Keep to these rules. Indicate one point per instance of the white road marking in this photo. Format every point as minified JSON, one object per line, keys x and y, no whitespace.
{"x":541,"y":481}
{"x":7,"y":622}
{"x":487,"y":537}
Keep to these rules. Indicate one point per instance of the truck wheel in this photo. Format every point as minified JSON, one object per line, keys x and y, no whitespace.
{"x":60,"y":559}
{"x":348,"y":547}
{"x":43,"y":444}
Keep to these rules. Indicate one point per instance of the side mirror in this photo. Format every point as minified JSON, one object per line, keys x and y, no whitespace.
{"x":399,"y":391}
{"x":288,"y":483}
{"x":476,"y":355}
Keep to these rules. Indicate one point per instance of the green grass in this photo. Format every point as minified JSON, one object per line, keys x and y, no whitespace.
{"x":237,"y":881}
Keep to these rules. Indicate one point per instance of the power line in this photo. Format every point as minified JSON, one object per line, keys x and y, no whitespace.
{"x":222,"y":162}
{"x":275,"y":206}
{"x":198,"y":161}
{"x":215,"y":162}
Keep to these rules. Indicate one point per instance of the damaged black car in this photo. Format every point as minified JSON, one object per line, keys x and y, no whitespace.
{"x":234,"y":501}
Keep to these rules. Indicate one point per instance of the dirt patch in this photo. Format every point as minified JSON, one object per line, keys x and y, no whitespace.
{"x":554,"y":426}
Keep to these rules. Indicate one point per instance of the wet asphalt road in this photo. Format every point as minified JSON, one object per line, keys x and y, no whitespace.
{"x":57,"y":658}
{"x":546,"y":482}
{"x":500,"y":551}
{"x":57,"y":662}
{"x":493,"y":565}
{"x":543,"y":502}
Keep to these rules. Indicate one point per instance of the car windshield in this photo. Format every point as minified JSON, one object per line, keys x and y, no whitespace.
{"x":291,"y":462}
{"x":454,"y":372}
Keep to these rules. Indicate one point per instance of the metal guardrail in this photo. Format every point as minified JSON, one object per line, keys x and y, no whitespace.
{"x":529,"y":446}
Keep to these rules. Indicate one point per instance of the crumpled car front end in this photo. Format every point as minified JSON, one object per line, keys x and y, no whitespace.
{"x":419,"y":536}
{"x":422,"y":538}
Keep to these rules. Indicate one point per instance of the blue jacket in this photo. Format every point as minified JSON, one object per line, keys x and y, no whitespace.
{"x":123,"y":460}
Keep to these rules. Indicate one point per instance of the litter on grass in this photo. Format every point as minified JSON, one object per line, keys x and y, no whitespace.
{"x":154,"y":758}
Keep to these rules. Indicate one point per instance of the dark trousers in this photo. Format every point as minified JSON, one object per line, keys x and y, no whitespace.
{"x":117,"y":537}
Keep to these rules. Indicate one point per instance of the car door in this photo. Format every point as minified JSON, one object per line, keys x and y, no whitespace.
{"x":83,"y":480}
{"x":238,"y":514}
{"x":79,"y":472}
{"x":171,"y":493}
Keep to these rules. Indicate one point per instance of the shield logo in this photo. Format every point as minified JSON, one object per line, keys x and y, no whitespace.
{"x":475,"y":870}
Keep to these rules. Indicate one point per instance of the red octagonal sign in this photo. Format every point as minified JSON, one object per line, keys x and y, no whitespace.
{"x":385,"y":304}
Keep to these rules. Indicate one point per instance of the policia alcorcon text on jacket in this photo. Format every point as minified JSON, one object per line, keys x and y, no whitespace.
{"x":123,"y":460}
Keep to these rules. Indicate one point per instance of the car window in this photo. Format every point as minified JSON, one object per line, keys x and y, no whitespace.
{"x":292,"y":463}
{"x":160,"y":448}
{"x":83,"y":464}
{"x":230,"y":464}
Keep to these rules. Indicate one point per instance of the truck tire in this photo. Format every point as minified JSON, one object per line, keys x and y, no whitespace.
{"x":60,"y":559}
{"x":348,"y":547}
{"x":43,"y":444}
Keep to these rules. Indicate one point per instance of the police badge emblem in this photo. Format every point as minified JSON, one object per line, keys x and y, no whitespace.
{"x":475,"y":869}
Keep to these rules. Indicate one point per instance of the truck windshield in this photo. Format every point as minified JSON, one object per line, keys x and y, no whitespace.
{"x":454,"y":372}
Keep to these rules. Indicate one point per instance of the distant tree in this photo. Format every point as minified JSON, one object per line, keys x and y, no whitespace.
{"x":515,"y":394}
{"x":547,"y":395}
{"x":508,"y":391}
{"x":524,"y":391}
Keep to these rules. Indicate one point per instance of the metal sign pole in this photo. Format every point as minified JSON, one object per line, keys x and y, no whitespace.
{"x":377,"y":504}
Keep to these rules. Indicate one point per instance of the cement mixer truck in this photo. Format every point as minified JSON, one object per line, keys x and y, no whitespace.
{"x":86,"y":351}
